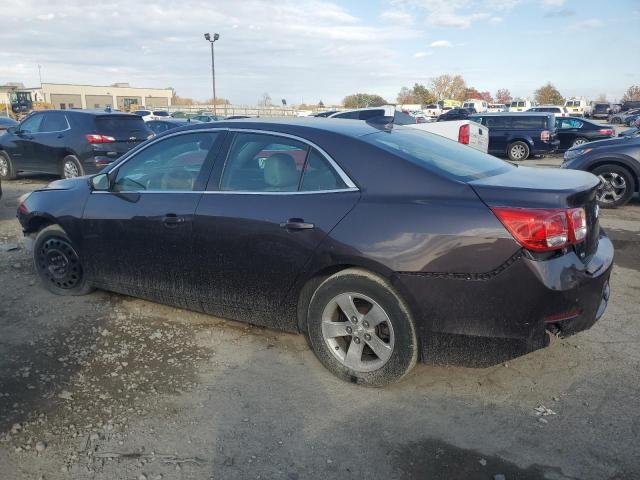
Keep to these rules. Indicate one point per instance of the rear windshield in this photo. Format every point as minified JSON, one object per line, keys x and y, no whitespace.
{"x":438,"y":154}
{"x":122,"y":126}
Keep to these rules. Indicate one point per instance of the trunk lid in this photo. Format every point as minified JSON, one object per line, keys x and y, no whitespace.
{"x":528,"y":187}
{"x":128,"y":131}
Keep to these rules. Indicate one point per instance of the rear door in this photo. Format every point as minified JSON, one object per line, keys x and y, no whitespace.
{"x":498,"y":132}
{"x":138,"y":237}
{"x":267,"y":208}
{"x":568,"y":129}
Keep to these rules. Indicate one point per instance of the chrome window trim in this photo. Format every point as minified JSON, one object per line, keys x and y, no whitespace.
{"x":232,"y":192}
{"x":351,"y":186}
{"x":59,"y":131}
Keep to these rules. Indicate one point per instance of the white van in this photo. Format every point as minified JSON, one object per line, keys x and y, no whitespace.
{"x":479,"y":105}
{"x":496,"y":108}
{"x":432,"y":110}
{"x":520,"y":105}
{"x":577,"y":106}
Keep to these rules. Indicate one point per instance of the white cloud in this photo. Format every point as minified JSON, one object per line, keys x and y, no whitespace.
{"x":440,"y":43}
{"x":553,"y":3}
{"x":495,"y":20}
{"x":422,"y":54}
{"x":457,"y":13}
{"x":396,"y":16}
{"x":586,"y":24}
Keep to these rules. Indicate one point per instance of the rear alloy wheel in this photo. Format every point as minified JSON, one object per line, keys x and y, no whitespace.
{"x":360,"y":329}
{"x":71,"y":167}
{"x":518,"y":151}
{"x":7,"y":171}
{"x":616,"y":186}
{"x":579,"y":141}
{"x":58,"y":264}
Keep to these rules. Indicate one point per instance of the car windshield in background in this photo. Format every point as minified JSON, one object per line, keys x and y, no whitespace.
{"x":122,"y":126}
{"x":438,"y":154}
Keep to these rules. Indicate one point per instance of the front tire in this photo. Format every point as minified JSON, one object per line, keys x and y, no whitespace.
{"x":518,"y":151}
{"x":71,"y":167}
{"x":617,"y":185}
{"x":361,"y":330}
{"x":58,"y":264}
{"x":7,"y":171}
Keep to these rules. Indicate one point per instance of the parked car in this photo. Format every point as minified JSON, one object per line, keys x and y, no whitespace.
{"x":433,"y":110}
{"x":631,"y":131}
{"x":461,"y":131}
{"x":520,"y":105}
{"x":630,"y":105}
{"x":555,"y":109}
{"x":479,"y":106}
{"x":456,"y":114}
{"x":237,"y":117}
{"x":148,"y":115}
{"x":616,"y":161}
{"x":328,"y":113}
{"x":160,"y":126}
{"x":207,"y":117}
{"x":573,"y":131}
{"x":6,"y":122}
{"x":577,"y":107}
{"x":497,"y":107}
{"x":631,"y":119}
{"x":601,"y":110}
{"x":621,"y":117}
{"x":382,"y":239}
{"x":520,"y":135}
{"x":69,"y":143}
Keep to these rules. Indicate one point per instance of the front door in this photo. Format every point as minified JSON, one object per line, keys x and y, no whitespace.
{"x":138,"y":237}
{"x":23,"y":153}
{"x":266,"y":211}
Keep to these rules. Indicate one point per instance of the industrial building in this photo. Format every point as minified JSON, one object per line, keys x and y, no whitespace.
{"x":118,"y":95}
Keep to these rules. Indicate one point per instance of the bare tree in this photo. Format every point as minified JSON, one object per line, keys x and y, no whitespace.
{"x":449,"y":87}
{"x":632,"y":94}
{"x":406,"y":95}
{"x":503,"y":96}
{"x":265,"y":100}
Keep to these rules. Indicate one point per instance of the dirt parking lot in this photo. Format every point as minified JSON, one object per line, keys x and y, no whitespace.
{"x":110,"y":387}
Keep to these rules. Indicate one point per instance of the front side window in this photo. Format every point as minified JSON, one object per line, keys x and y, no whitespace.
{"x":171,"y":164}
{"x":32,"y":124}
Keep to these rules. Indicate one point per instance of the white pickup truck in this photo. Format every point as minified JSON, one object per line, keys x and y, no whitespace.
{"x":461,"y":131}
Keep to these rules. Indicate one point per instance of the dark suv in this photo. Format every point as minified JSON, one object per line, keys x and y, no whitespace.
{"x":519,"y":135}
{"x":69,"y":143}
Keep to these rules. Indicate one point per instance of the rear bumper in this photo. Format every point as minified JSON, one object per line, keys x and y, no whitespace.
{"x":520,"y":300}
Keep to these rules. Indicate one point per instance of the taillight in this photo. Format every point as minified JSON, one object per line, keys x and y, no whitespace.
{"x":463,"y":134}
{"x":420,"y":120}
{"x":97,"y":138}
{"x":606,"y":131}
{"x":22,"y":208}
{"x":544,"y":230}
{"x":545,"y":135}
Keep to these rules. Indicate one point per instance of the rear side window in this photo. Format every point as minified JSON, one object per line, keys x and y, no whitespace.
{"x":54,"y":122}
{"x":318,"y":174}
{"x":438,"y":154}
{"x":498,"y":122}
{"x":369,"y":114}
{"x":525,"y":122}
{"x":122,"y":127}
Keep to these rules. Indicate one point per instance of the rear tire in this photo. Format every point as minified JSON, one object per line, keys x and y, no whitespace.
{"x":361,"y":330}
{"x":71,"y":167}
{"x":58,"y":264}
{"x":579,"y":141}
{"x":617,"y":187}
{"x":518,"y":151}
{"x":7,"y":171}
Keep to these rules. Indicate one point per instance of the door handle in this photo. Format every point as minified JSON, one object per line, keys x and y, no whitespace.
{"x":297,"y":224}
{"x":171,"y":220}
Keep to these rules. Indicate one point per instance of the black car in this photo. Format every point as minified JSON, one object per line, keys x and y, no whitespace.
{"x":601,"y":110}
{"x":368,"y":240}
{"x":6,"y":122}
{"x":69,"y":143}
{"x":615,"y":161}
{"x":574,"y":131}
{"x":160,"y":126}
{"x":519,"y":135}
{"x":206,"y":118}
{"x":456,"y":114}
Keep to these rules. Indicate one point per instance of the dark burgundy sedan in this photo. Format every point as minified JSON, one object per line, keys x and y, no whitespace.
{"x":367,"y":239}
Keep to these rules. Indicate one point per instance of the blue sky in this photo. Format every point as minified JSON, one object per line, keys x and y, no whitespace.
{"x":307,"y":50}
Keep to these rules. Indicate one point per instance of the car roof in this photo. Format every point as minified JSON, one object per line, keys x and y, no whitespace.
{"x":349,"y":128}
{"x":506,"y":114}
{"x":94,"y":112}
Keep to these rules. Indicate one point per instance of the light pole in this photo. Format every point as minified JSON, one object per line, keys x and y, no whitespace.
{"x":208,"y":38}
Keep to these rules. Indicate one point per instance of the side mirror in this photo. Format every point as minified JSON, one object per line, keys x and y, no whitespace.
{"x":13,"y":130}
{"x":100,"y":182}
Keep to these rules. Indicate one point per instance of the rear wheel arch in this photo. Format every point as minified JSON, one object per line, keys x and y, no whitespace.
{"x":37,"y":223}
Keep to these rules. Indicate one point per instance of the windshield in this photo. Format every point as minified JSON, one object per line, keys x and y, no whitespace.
{"x":438,"y":154}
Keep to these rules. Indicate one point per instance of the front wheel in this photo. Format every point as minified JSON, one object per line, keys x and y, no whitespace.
{"x":518,"y":151}
{"x":361,"y":330}
{"x":58,"y":264}
{"x":616,"y":186}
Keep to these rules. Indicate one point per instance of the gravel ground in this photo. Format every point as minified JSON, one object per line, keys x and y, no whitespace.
{"x":111,"y":387}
